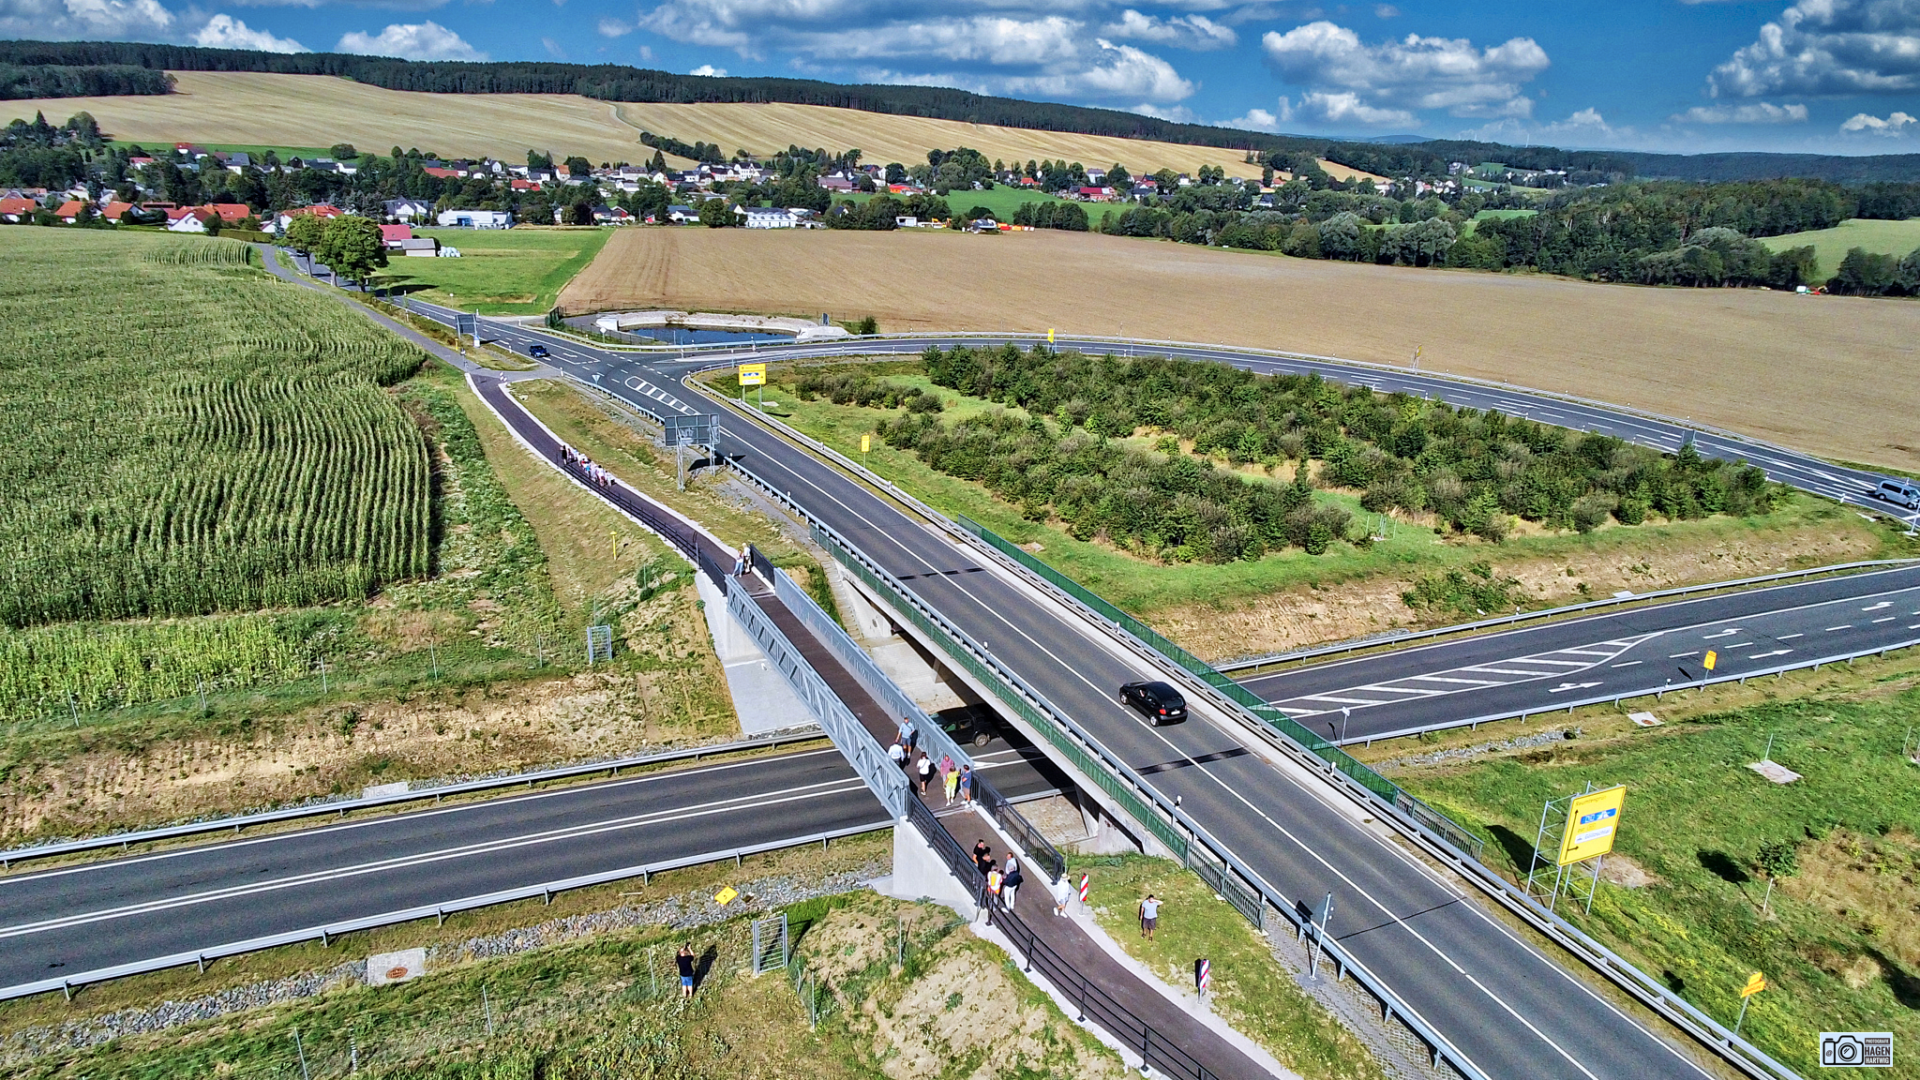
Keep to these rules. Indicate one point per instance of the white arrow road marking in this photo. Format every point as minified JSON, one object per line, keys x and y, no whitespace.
{"x":1878,"y":606}
{"x":1764,"y":655}
{"x":1572,"y":686}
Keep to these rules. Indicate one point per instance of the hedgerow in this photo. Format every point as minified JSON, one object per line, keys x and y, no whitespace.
{"x":1476,"y":471}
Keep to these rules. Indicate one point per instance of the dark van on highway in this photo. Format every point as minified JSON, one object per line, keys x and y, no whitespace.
{"x":537,"y":351}
{"x":1158,"y":702}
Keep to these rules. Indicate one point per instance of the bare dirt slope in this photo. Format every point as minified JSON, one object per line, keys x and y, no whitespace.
{"x":257,"y":109}
{"x":1832,"y":375}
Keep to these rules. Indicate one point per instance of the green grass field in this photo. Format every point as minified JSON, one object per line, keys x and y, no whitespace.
{"x":282,"y":152}
{"x":501,"y":271}
{"x":1143,"y":588}
{"x":1837,"y":938}
{"x":1002,"y":200}
{"x":1831,"y":245}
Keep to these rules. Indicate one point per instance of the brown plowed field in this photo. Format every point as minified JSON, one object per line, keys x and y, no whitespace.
{"x":1832,"y":375}
{"x":257,"y":109}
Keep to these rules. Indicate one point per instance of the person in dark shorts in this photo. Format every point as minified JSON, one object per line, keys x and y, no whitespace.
{"x":1149,"y":916}
{"x":983,"y":856}
{"x":684,"y":959}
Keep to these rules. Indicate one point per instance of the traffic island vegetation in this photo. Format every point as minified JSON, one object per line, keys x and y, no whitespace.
{"x":472,"y":665}
{"x":1250,"y":988}
{"x":1146,"y":514}
{"x":1719,"y":871}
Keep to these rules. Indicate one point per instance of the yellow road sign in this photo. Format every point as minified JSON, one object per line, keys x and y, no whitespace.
{"x":1756,"y":982}
{"x":725,"y":896}
{"x":753,"y":374}
{"x":1712,"y":658}
{"x":866,"y":443}
{"x":1592,"y":822}
{"x":1049,"y":335}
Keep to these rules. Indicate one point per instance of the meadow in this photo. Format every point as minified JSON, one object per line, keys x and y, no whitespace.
{"x":514,"y":271}
{"x":1806,"y":372}
{"x":1831,"y":245}
{"x":223,"y":444}
{"x":1720,"y":872}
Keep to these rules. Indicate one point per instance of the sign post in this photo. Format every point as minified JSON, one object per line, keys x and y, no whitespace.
{"x":1203,"y":977}
{"x":753,"y":375}
{"x":1756,"y":982}
{"x":1587,"y":831}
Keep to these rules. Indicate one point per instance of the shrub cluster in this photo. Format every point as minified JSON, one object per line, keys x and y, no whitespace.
{"x":1475,"y":470}
{"x":852,"y":388}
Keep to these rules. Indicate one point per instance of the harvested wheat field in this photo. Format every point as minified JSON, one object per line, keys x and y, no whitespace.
{"x":255,"y":109}
{"x":1832,"y":375}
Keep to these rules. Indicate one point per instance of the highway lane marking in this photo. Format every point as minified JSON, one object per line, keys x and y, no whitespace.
{"x":1678,"y":655}
{"x":1629,"y":663}
{"x":1563,"y":687}
{"x":1468,"y":682}
{"x":1729,"y":632}
{"x":1764,"y":655}
{"x":1789,"y":637}
{"x":1878,"y":606}
{"x":411,"y":816}
{"x":1548,"y":668}
{"x":1842,"y":626}
{"x":1556,"y":663}
{"x":426,"y":858}
{"x":1101,"y":696}
{"x":1889,"y":618}
{"x":1739,"y":645}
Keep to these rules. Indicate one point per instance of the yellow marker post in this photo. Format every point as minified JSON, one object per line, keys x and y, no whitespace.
{"x":1049,"y":335}
{"x":725,"y":896}
{"x":866,"y":443}
{"x":1712,"y":658}
{"x":1756,"y":982}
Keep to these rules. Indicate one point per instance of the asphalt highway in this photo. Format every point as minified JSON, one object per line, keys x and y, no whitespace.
{"x":97,"y":915}
{"x":1599,"y":657}
{"x":1507,"y":1007}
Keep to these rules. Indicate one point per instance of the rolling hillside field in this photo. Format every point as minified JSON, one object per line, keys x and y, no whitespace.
{"x":239,"y":109}
{"x":1831,"y":245}
{"x":1804,"y":371}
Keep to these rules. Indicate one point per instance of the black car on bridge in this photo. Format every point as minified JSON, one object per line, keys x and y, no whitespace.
{"x":1158,"y":702}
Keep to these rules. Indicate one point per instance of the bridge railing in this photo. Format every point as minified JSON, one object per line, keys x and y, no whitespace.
{"x":856,"y":744}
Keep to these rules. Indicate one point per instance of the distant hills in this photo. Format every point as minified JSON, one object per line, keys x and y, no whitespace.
{"x":72,"y":69}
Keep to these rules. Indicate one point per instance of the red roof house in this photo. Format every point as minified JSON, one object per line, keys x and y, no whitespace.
{"x":391,"y":235}
{"x":71,"y":210}
{"x":16,"y":209}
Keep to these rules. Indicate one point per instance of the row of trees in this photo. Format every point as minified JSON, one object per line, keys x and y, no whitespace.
{"x":59,"y":80}
{"x":347,"y":244}
{"x":1474,"y":470}
{"x":1862,"y":273}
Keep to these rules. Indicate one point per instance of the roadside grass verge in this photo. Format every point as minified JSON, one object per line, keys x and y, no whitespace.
{"x":515,"y":271}
{"x":1251,"y":990}
{"x":1410,"y":547}
{"x":1685,"y":895}
{"x":609,"y":1001}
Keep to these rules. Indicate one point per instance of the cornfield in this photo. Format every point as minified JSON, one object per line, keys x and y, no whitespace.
{"x":181,"y":435}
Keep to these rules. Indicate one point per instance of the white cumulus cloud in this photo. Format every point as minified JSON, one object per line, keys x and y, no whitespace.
{"x":1180,"y":31}
{"x":1759,"y":112}
{"x":1585,"y":125}
{"x":1344,"y":107}
{"x":1387,"y":82}
{"x":709,"y":71}
{"x":1894,"y":124}
{"x":227,"y":32}
{"x":1829,"y":47}
{"x":98,"y":19}
{"x":1254,"y":120}
{"x":411,"y":41}
{"x":613,"y":28}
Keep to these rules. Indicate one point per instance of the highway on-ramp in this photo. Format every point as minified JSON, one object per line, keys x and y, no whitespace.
{"x":1504,"y":1004}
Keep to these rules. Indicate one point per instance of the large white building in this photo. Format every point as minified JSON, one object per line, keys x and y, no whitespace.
{"x":476,"y":219}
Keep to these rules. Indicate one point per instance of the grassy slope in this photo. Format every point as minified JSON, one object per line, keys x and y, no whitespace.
{"x":500,"y":271}
{"x":1831,"y":245}
{"x":1001,"y":199}
{"x":1142,"y":587}
{"x":1839,"y":940}
{"x":1250,"y":988}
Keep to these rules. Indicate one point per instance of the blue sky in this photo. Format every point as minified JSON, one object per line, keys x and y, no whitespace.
{"x":1835,"y":76}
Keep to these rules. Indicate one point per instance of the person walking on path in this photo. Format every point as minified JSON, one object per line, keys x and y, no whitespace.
{"x":1010,"y":883}
{"x":1011,"y":863}
{"x":924,"y":767}
{"x":907,"y":734}
{"x":1149,"y":916}
{"x":740,"y":560}
{"x":966,"y":785}
{"x":898,"y":752}
{"x":949,"y":777}
{"x":684,"y":958}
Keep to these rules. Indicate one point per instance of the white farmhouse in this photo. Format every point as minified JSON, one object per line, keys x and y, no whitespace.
{"x":476,"y":219}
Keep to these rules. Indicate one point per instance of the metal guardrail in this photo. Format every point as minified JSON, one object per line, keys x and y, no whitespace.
{"x":887,"y":781}
{"x":1168,"y":824}
{"x":930,"y":735}
{"x":342,"y":807}
{"x":1397,"y":638}
{"x":1230,"y":692}
{"x":1095,"y":1004}
{"x":325,"y":933}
